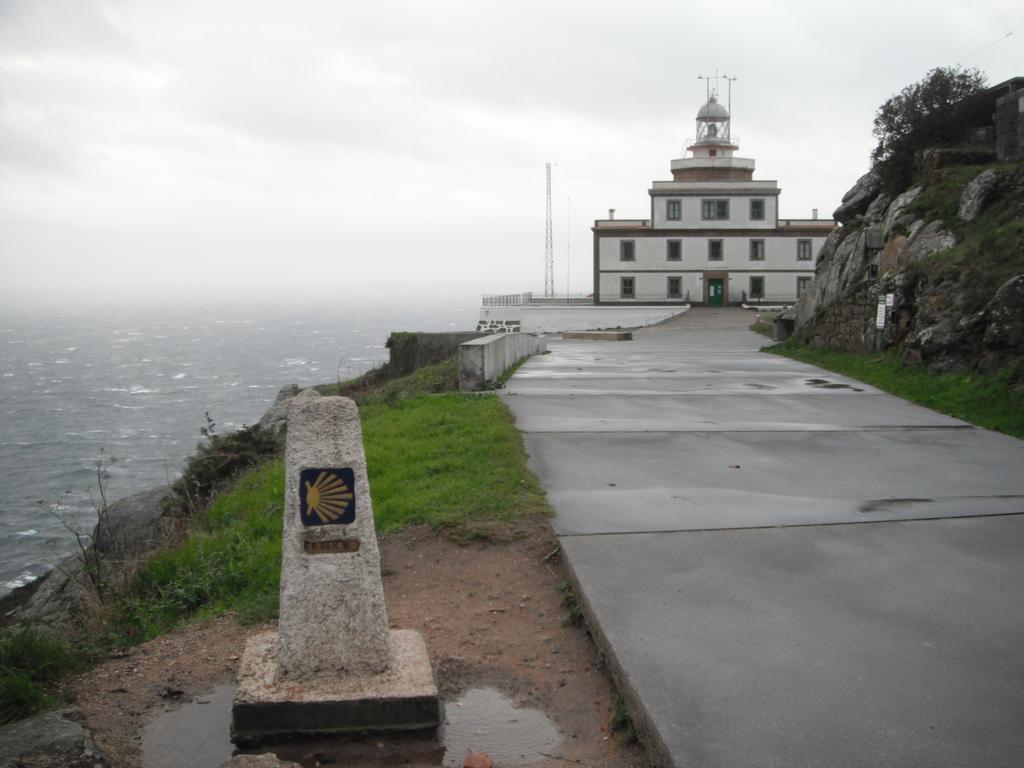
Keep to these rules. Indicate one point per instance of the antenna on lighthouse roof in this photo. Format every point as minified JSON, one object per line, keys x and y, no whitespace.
{"x":729,"y":106}
{"x":707,"y":81}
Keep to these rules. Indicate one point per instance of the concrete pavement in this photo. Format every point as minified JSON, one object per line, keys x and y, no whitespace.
{"x":786,"y":567}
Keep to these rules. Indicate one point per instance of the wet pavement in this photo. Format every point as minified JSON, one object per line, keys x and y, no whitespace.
{"x":788,"y":567}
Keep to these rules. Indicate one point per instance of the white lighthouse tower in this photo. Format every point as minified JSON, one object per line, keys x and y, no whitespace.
{"x":711,"y":149}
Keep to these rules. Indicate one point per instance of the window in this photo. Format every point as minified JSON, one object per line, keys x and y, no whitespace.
{"x":757,"y":210}
{"x":714,"y":209}
{"x":673,"y":210}
{"x":674,"y":250}
{"x":712,"y":153}
{"x":757,"y":250}
{"x":627,"y":250}
{"x":757,"y":287}
{"x":675,"y":287}
{"x":802,"y":284}
{"x":803,"y":250}
{"x":714,"y":250}
{"x":627,"y":287}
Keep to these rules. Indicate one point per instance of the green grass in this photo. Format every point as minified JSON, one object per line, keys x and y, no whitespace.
{"x":430,"y":379}
{"x":621,"y":721}
{"x":230,"y":561}
{"x":987,"y":400}
{"x":942,"y":199}
{"x":31,"y":660}
{"x":445,"y":460}
{"x":989,"y":250}
{"x":502,"y":380}
{"x":442,"y":460}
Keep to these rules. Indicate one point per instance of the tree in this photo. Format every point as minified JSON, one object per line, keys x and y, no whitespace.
{"x":938,"y":111}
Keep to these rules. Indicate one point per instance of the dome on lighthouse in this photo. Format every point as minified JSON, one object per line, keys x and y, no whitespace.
{"x":713,"y":110}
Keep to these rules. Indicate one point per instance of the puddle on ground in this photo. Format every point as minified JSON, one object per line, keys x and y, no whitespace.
{"x":483,"y":720}
{"x":886,"y":505}
{"x":193,"y":735}
{"x":825,"y":384}
{"x":197,"y":734}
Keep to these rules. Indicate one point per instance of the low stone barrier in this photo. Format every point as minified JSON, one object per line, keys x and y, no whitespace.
{"x":483,"y":360}
{"x":599,"y":335}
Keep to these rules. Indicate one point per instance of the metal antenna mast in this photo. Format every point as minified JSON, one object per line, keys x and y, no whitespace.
{"x":549,"y":244}
{"x":568,"y":241}
{"x":729,"y":107}
{"x":707,"y":85}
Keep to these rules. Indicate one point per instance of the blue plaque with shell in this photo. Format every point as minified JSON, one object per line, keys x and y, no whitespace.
{"x":327,"y":496}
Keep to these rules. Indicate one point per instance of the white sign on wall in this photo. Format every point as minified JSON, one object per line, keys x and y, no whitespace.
{"x":880,"y":316}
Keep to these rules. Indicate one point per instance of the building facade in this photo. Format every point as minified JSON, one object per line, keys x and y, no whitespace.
{"x":713,"y":236}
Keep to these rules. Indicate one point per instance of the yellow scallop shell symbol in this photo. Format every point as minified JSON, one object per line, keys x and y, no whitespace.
{"x":328,"y":497}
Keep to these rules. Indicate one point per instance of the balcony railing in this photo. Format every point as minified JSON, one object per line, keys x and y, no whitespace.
{"x":532,"y":300}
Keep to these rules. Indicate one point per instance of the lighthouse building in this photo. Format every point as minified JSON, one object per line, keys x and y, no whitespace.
{"x":713,"y":236}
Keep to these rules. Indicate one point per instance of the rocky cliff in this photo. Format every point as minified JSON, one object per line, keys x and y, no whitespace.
{"x":949,"y":255}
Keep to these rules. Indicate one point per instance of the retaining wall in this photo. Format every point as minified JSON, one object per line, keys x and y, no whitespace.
{"x":410,"y":350}
{"x":482,"y":361}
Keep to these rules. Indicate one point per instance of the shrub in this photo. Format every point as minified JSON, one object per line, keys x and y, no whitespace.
{"x":940,"y":110}
{"x":30,"y":661}
{"x":218,"y":460}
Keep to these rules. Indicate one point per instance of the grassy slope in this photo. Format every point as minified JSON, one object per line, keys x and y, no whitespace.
{"x":442,"y":460}
{"x":986,"y":400}
{"x":447,"y":460}
{"x":439,"y":459}
{"x":989,"y":250}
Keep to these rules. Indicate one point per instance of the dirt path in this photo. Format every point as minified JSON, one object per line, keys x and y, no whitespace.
{"x":491,"y":616}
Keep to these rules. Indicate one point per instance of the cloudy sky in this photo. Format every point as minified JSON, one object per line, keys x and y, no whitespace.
{"x":253,"y":149}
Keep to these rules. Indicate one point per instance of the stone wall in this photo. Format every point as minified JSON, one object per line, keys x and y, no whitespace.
{"x":1010,"y":127}
{"x":499,"y":326}
{"x":411,"y":350}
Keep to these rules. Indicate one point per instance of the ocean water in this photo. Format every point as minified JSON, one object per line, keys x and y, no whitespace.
{"x":133,"y":385}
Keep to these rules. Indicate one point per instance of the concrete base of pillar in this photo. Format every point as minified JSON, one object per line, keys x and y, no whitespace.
{"x":402,"y":699}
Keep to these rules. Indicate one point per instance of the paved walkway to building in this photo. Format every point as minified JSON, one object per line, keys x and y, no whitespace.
{"x":786,"y":567}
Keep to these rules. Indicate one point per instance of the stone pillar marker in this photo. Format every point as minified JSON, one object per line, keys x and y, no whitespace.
{"x":333,"y":665}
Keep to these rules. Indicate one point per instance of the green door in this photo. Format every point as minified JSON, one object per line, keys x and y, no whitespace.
{"x":716,"y":292}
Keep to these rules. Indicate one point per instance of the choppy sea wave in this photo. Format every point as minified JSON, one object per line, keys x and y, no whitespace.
{"x":134,"y":385}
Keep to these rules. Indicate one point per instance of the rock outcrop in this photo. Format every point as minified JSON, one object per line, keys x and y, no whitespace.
{"x":53,"y":740}
{"x":1004,"y":328}
{"x":858,"y":198}
{"x":935,"y":313}
{"x":276,"y":419}
{"x":136,"y":525}
{"x":976,"y":194}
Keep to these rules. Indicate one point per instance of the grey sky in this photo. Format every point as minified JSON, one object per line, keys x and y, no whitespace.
{"x":225,"y":148}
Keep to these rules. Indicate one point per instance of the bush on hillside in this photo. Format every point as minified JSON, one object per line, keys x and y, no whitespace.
{"x":941,"y":110}
{"x":31,"y":662}
{"x":218,"y":459}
